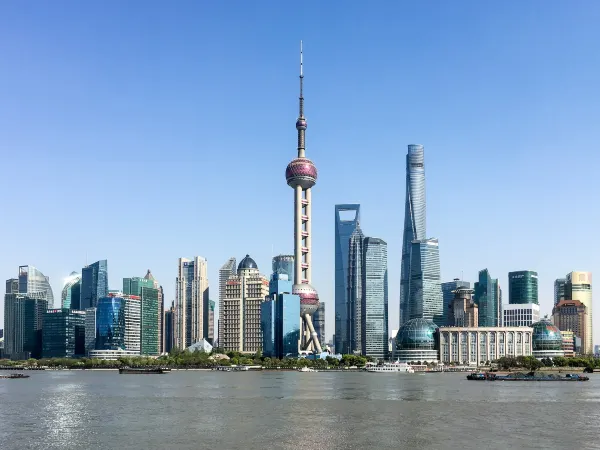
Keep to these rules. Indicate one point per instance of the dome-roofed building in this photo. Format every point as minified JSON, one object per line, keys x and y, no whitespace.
{"x":417,"y":341}
{"x":547,"y":341}
{"x":247,"y":263}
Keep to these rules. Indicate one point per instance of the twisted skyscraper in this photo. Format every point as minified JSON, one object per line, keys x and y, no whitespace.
{"x":414,"y":220}
{"x":301,"y":175}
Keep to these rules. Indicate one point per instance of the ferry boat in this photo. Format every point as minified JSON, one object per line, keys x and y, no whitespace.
{"x":143,"y":371}
{"x":306,"y":369}
{"x":396,"y":367}
{"x":13,"y":376}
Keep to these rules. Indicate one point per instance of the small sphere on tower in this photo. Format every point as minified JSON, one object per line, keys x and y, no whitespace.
{"x":301,"y":124}
{"x":309,"y":298}
{"x":301,"y":172}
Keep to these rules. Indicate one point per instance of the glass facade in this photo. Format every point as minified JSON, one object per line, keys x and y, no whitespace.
{"x":35,"y":284}
{"x":414,"y":221}
{"x":546,"y":337}
{"x":149,"y":312}
{"x":344,"y":227}
{"x":375,"y":299}
{"x":559,"y":290}
{"x":284,"y":264}
{"x":355,"y":293}
{"x":70,"y":297}
{"x":425,"y":290}
{"x":267,"y":326}
{"x":94,"y":283}
{"x":523,"y":287}
{"x":319,"y":322}
{"x":63,"y":333}
{"x":448,"y":298}
{"x":110,"y":323}
{"x":487,"y":297}
{"x":280,"y":319}
{"x":416,"y":341}
{"x":169,"y":323}
{"x":90,"y":329}
{"x":23,"y":325}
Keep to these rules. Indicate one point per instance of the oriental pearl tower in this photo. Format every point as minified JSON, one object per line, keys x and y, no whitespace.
{"x":301,"y":175}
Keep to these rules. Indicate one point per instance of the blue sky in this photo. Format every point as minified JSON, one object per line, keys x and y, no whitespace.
{"x":141,"y":132}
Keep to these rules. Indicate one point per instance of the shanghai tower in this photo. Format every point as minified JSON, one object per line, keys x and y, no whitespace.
{"x":414,"y":219}
{"x":301,"y":175}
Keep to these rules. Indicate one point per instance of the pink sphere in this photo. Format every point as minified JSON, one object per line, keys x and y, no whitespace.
{"x":301,"y":172}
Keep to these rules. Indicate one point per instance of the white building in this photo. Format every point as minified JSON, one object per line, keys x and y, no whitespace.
{"x":133,"y":323}
{"x":520,"y":315}
{"x":90,"y":329}
{"x":111,"y":355}
{"x":478,"y":345}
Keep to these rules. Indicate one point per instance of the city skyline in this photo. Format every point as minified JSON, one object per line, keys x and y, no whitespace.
{"x":490,"y":125}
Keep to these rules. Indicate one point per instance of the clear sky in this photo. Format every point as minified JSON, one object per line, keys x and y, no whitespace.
{"x":141,"y":132}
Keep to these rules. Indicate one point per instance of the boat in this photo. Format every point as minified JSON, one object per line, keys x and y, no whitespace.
{"x":531,"y":376}
{"x":14,"y":376}
{"x":395,"y":367}
{"x":143,"y":370}
{"x":306,"y":369}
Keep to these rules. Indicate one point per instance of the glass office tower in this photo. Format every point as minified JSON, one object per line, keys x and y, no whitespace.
{"x":414,"y":221}
{"x":35,"y":284}
{"x":487,"y":298}
{"x":23,"y":324}
{"x":425,"y":287}
{"x":355,"y":294}
{"x":347,"y":218}
{"x":94,"y":284}
{"x":70,"y":297}
{"x":448,"y":297}
{"x":523,"y":287}
{"x":149,"y":312}
{"x":375,"y":299}
{"x":63,"y":333}
{"x":110,"y":323}
{"x":559,"y":290}
{"x":283,"y":264}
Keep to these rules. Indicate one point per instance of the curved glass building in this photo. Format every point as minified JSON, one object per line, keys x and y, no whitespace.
{"x":547,"y":341}
{"x":35,"y":284}
{"x":70,"y":296}
{"x":414,"y":218}
{"x":417,"y":341}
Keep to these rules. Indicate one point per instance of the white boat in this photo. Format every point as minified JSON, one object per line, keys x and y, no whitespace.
{"x":395,"y":367}
{"x":306,"y":369}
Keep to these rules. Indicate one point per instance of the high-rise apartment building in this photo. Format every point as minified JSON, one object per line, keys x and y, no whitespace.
{"x":63,"y":334}
{"x":374,"y":315}
{"x":579,"y":287}
{"x":448,"y":289}
{"x":414,"y":221}
{"x":347,"y":219}
{"x":488,"y":299}
{"x":191,"y":297}
{"x":94,"y":284}
{"x":70,"y":296}
{"x":523,"y":287}
{"x":319,"y":320}
{"x":240,"y":316}
{"x":132,"y":336}
{"x":425,"y":286}
{"x":354,"y":297}
{"x":559,"y":290}
{"x":227,"y":270}
{"x":169,"y":326}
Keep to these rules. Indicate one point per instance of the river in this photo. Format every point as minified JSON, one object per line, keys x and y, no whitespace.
{"x":289,"y":410}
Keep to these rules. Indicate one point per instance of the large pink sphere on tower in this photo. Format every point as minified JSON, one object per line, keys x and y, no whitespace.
{"x":301,"y":172}
{"x":309,"y":298}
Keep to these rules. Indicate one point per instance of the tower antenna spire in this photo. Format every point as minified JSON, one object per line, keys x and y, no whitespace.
{"x":301,"y":83}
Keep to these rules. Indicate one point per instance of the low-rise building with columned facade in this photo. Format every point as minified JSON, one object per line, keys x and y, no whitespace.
{"x":480,"y":345}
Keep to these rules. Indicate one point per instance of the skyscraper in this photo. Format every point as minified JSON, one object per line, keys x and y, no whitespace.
{"x":161,"y":309}
{"x":284,"y":264}
{"x":579,"y":287}
{"x":191,"y":296}
{"x":150,"y":314}
{"x":414,"y":220}
{"x":110,"y":323}
{"x":209,"y":321}
{"x":227,"y":270}
{"x":559,"y":290}
{"x":240,"y":316}
{"x":35,"y":284}
{"x":355,"y":294}
{"x":374,"y":315}
{"x":487,"y":292}
{"x":23,"y":324}
{"x":301,"y":175}
{"x":63,"y":333}
{"x":94,"y":283}
{"x":448,"y":296}
{"x":523,"y":287}
{"x":169,"y":325}
{"x":12,"y":286}
{"x":425,"y":285}
{"x":319,"y":320}
{"x":70,"y":297}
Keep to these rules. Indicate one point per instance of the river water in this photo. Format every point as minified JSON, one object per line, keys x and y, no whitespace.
{"x":289,"y":410}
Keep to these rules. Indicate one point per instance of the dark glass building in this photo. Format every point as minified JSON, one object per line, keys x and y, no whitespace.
{"x":284,"y":264}
{"x":70,"y":297}
{"x":319,"y":322}
{"x":523,"y":287}
{"x":149,"y":312}
{"x":559,"y":290}
{"x":425,"y":287}
{"x":110,"y":323}
{"x":12,"y":286}
{"x":448,"y":289}
{"x":169,"y":324}
{"x":347,"y":217}
{"x":94,"y":284}
{"x":487,"y":298}
{"x":23,"y":325}
{"x":354,"y":297}
{"x":63,"y":334}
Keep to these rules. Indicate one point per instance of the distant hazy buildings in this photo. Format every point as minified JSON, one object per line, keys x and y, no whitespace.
{"x":63,"y":334}
{"x":488,"y":297}
{"x":191,"y":298}
{"x":523,"y":287}
{"x":520,"y":315}
{"x":240,"y":316}
{"x":94,"y":283}
{"x":70,"y":297}
{"x":374,"y":315}
{"x":425,"y":287}
{"x":448,"y":289}
{"x":347,"y":218}
{"x":414,"y":221}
